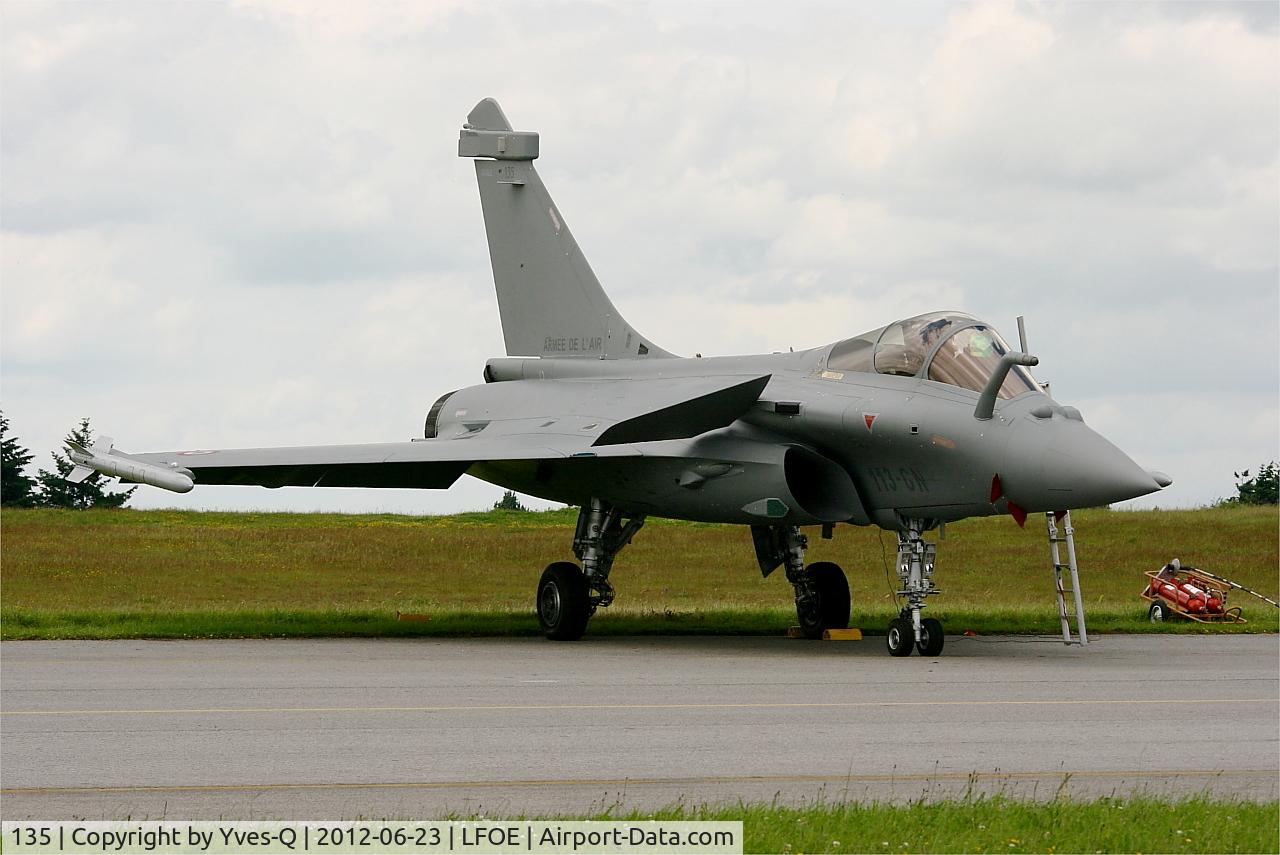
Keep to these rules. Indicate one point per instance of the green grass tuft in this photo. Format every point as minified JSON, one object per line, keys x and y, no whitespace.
{"x":1195,"y":824}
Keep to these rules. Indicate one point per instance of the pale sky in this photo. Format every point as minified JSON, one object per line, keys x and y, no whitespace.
{"x":246,"y":224}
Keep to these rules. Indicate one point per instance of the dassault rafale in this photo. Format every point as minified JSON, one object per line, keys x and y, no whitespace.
{"x":924,"y":421}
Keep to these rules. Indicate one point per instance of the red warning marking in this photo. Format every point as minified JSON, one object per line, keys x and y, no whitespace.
{"x":997,"y":489}
{"x":870,"y":419}
{"x":1018,"y":514}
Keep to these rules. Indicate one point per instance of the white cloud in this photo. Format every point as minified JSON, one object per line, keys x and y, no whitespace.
{"x":246,"y":224}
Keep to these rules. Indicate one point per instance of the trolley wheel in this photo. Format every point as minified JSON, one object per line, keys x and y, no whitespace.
{"x":1158,"y":612}
{"x":564,"y":604}
{"x":931,"y":637}
{"x":900,"y":638}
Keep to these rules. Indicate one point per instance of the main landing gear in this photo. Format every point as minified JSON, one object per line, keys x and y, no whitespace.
{"x":915,"y":576}
{"x":822,"y":591}
{"x":568,"y":595}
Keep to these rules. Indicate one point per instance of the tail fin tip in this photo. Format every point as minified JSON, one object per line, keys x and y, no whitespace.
{"x":550,"y":301}
{"x":488,"y":116}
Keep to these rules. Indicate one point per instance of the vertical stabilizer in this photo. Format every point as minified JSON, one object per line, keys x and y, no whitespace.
{"x":549,"y":299}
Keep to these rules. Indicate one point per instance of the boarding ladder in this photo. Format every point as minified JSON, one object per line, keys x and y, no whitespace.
{"x":1076,"y":609}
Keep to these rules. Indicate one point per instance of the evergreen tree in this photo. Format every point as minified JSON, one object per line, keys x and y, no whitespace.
{"x":509,"y":502}
{"x":1261,"y":489}
{"x":17,"y":489}
{"x":57,"y":492}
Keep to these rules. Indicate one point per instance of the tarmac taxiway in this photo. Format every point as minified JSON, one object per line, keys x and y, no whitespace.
{"x":297,"y":729}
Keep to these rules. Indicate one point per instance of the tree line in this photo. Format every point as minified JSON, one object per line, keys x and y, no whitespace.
{"x":51,"y":489}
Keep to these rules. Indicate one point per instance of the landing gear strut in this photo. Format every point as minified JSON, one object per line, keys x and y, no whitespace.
{"x":916,"y":558}
{"x":569,"y":596}
{"x":822,"y":591}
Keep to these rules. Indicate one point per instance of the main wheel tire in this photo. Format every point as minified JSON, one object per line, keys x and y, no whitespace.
{"x":931,"y":637}
{"x":900,"y":638}
{"x":829,"y":609}
{"x":564,"y":602}
{"x":1157,"y":612}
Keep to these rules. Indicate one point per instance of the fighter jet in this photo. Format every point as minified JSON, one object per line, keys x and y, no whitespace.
{"x":927,"y":420}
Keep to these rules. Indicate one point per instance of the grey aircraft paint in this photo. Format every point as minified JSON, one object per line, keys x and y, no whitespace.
{"x":531,"y":247}
{"x":924,"y":421}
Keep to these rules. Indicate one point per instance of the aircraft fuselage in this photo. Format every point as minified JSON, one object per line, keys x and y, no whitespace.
{"x":911,"y":446}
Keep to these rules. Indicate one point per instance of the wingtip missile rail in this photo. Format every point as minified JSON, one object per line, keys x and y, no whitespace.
{"x":103,"y":458}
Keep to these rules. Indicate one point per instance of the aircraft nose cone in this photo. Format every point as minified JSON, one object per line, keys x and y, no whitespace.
{"x":1064,"y":464}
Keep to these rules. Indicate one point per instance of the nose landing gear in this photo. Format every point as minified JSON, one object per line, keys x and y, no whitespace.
{"x":916,"y":558}
{"x":898,"y":638}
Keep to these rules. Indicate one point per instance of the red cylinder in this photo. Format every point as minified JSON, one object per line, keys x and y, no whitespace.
{"x":1191,"y":589}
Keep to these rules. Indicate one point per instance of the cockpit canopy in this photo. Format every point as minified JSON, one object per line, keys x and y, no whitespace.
{"x":957,"y":349}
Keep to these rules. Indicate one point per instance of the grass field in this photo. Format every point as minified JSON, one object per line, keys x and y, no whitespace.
{"x":1004,"y":825}
{"x":86,"y":574}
